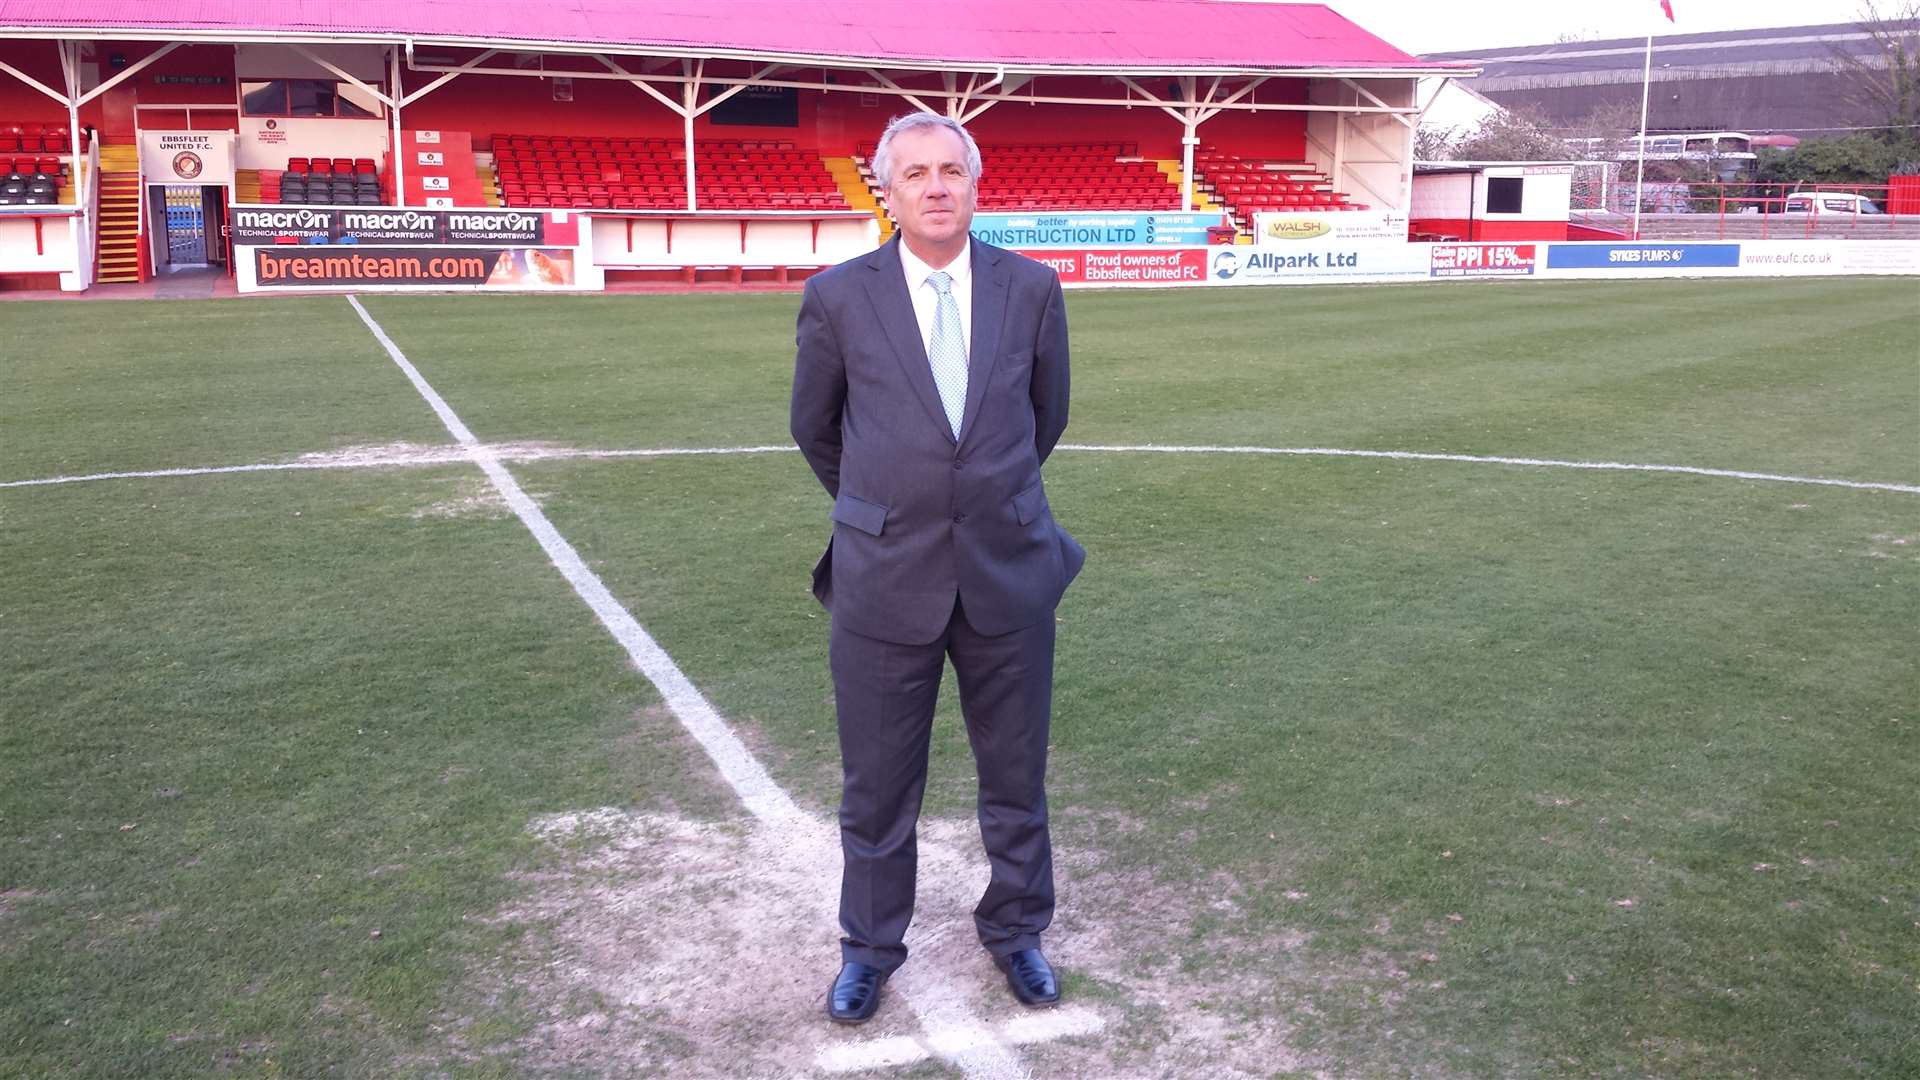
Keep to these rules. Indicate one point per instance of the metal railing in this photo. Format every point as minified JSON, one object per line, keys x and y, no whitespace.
{"x":1755,"y":210}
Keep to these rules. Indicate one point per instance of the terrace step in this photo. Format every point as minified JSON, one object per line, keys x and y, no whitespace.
{"x":859,"y":195}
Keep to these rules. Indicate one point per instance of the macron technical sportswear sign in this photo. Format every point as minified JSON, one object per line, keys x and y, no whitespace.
{"x":392,"y":225}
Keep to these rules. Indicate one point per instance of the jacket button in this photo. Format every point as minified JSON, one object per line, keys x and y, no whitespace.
{"x":959,"y":519}
{"x":958,"y":464}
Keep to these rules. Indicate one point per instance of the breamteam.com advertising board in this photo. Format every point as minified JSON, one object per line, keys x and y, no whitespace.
{"x":352,"y":267}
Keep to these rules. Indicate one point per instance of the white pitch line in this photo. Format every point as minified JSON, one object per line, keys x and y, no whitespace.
{"x":964,"y":1041}
{"x":888,"y":1053}
{"x":896,"y":1050}
{"x":562,"y":454}
{"x":214,"y":470}
{"x":1486,"y":459}
{"x":424,"y":456}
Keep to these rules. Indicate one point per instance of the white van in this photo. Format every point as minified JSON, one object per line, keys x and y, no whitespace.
{"x":1830,"y":202}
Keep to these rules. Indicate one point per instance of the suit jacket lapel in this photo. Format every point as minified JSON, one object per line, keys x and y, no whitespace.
{"x":887,"y":288}
{"x":990,"y":287}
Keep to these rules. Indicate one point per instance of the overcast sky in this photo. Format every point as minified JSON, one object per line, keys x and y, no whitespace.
{"x":1421,"y":26}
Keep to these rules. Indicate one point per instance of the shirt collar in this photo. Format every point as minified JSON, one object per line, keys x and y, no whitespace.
{"x":960,"y":269}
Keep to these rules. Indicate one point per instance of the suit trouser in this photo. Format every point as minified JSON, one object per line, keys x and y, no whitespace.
{"x":885,"y":694}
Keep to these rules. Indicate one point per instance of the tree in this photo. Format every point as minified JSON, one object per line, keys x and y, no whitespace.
{"x":1606,"y":133}
{"x":1860,"y":158}
{"x":1520,"y":134}
{"x":1434,"y":144}
{"x":1883,"y":81}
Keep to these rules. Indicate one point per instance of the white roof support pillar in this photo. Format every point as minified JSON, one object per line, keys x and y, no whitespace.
{"x":619,"y":72}
{"x":447,"y":77}
{"x":131,"y":70}
{"x":1189,"y":138}
{"x":36,"y":83}
{"x":393,"y":115}
{"x":881,"y":77}
{"x":752,"y":80}
{"x":690,"y":95}
{"x":82,"y":184}
{"x":345,"y":75}
{"x":1192,"y":111}
{"x":687,"y":108}
{"x":1007,"y":84}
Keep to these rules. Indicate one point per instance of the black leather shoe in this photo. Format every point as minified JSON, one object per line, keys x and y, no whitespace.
{"x":855,"y":993}
{"x":1031,"y":977}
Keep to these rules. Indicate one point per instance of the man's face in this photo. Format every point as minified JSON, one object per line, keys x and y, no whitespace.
{"x":931,"y":193}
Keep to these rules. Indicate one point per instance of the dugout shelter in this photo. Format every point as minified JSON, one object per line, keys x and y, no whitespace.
{"x":630,"y":139}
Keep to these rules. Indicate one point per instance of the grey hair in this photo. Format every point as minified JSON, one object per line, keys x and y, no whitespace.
{"x":915,"y":121}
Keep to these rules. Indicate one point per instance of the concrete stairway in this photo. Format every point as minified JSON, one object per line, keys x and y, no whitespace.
{"x":118,"y":238}
{"x":853,"y":184}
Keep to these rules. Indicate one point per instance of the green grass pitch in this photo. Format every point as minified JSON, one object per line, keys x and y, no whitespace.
{"x":1376,"y":767}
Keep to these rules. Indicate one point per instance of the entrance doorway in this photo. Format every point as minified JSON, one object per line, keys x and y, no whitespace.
{"x":188,"y":226}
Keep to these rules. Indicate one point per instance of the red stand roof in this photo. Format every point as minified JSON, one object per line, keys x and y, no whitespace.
{"x":1103,"y":35}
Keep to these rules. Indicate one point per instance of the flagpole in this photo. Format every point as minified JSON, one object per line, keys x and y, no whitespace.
{"x":1640,"y":170}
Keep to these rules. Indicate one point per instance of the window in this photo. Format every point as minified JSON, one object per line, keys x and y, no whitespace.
{"x":759,"y":106}
{"x":307,"y":97}
{"x":1503,"y":194}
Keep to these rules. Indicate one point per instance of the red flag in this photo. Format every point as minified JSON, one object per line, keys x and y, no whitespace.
{"x":1667,"y":6}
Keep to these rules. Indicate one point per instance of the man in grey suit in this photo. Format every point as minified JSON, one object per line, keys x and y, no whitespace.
{"x":929,"y":385}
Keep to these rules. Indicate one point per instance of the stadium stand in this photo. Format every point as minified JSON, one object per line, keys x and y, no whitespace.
{"x":33,"y":171}
{"x":323,"y":182}
{"x":1067,"y":176}
{"x":593,"y":172}
{"x":1245,"y":185}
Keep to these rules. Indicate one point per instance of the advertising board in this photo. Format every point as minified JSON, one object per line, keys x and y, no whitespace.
{"x":1271,"y":265}
{"x":253,"y":225}
{"x":1274,"y":227}
{"x":187,"y":157}
{"x":351,"y":266}
{"x":1093,"y":230}
{"x":1125,"y":266}
{"x":1482,"y":260}
{"x":1329,"y":263}
{"x":1642,"y":256}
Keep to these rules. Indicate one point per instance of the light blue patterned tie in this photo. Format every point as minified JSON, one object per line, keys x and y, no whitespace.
{"x":948,"y":351}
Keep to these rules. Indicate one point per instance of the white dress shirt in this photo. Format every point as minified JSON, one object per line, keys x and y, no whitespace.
{"x":926,"y":301}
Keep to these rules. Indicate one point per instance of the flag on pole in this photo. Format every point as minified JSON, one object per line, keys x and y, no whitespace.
{"x":1667,"y":6}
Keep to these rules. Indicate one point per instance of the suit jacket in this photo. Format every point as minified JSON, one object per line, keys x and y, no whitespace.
{"x":921,"y":517}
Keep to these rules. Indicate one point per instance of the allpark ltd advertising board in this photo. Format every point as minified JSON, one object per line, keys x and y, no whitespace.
{"x":1322,"y":263}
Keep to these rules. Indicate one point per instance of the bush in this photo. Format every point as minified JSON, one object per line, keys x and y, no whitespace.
{"x":1847,"y":159}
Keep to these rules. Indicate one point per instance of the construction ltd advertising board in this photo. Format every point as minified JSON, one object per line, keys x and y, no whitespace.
{"x":1093,"y":230}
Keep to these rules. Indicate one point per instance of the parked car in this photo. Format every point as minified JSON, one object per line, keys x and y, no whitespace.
{"x":1830,"y":202}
